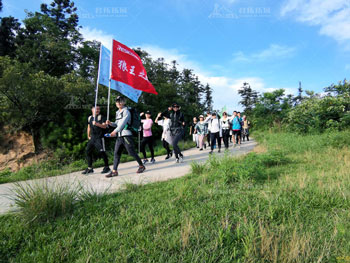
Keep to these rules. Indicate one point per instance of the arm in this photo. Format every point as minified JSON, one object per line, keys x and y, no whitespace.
{"x":207,"y":119}
{"x":101,"y":125}
{"x":158,"y":116}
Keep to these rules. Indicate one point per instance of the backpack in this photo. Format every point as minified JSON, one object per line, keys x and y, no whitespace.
{"x":135,"y":121}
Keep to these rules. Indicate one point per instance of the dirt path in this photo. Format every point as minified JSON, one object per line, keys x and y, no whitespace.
{"x":162,"y":170}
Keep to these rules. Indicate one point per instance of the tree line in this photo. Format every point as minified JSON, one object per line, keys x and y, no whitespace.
{"x":48,"y":77}
{"x":306,"y":112}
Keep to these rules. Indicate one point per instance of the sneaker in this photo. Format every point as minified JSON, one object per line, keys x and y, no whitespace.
{"x":177,"y":160}
{"x":141,"y":169}
{"x":112,"y":174}
{"x":201,"y":149}
{"x":167,"y":157}
{"x":145,"y":161}
{"x":181,"y":159}
{"x":88,"y":171}
{"x":152,"y":160}
{"x":105,"y":170}
{"x":211,"y":152}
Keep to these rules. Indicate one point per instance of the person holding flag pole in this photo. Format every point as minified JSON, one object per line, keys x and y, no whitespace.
{"x":96,"y":126}
{"x":128,"y":76}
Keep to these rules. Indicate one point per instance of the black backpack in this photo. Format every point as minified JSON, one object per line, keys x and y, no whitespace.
{"x":135,"y":121}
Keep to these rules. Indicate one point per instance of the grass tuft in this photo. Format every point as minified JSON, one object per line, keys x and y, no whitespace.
{"x":44,"y":202}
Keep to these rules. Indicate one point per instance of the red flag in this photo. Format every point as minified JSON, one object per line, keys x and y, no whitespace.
{"x":127,"y":67}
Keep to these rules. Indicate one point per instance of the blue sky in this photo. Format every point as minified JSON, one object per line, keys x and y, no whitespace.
{"x":269,"y":44}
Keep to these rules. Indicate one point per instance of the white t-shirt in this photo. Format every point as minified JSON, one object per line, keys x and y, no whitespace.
{"x":165,"y":125}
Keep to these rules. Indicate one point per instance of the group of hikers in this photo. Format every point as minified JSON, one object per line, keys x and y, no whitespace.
{"x":215,"y":128}
{"x":211,"y":129}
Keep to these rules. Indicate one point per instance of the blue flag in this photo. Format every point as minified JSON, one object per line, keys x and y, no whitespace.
{"x":104,"y":76}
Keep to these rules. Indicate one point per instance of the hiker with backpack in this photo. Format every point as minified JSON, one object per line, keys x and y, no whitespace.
{"x":147,"y":138}
{"x":95,"y":130}
{"x":245,"y":128}
{"x":165,"y":134}
{"x":236,"y":128}
{"x":215,"y":131}
{"x":226,"y":127}
{"x":124,"y":121}
{"x":177,"y":123}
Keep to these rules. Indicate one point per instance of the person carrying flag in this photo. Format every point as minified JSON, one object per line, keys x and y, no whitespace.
{"x":124,"y":137}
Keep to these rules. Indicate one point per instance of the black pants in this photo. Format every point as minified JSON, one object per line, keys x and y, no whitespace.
{"x":166,"y":146}
{"x":225,"y":137}
{"x":99,"y":145}
{"x":127,"y":143}
{"x":147,"y":141}
{"x":245,"y":134}
{"x":237,"y":134}
{"x":215,"y":136}
{"x":177,"y":136}
{"x":209,"y":137}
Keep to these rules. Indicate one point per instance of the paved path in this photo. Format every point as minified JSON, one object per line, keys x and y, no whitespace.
{"x":162,"y":170}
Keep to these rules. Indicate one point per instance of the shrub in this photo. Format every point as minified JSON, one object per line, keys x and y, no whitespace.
{"x":45,"y":202}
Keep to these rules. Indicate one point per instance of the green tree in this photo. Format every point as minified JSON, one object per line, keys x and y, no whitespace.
{"x":249,"y":97}
{"x":9,"y":27}
{"x":33,"y":98}
{"x":208,"y":102}
{"x":48,"y":41}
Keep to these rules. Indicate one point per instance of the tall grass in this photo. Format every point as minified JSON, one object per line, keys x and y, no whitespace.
{"x":288,"y":203}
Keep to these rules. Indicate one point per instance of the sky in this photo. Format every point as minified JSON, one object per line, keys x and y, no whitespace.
{"x":269,"y":44}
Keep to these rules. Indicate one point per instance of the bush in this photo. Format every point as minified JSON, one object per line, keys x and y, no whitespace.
{"x":39,"y":203}
{"x":274,"y":158}
{"x":339,"y":139}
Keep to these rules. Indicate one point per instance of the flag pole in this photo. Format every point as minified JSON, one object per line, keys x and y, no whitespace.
{"x":98,"y":80}
{"x":110,"y":80}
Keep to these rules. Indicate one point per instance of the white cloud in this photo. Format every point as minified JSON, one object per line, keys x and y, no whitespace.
{"x":95,"y":34}
{"x":332,"y":16}
{"x":225,"y":89}
{"x":274,"y":51}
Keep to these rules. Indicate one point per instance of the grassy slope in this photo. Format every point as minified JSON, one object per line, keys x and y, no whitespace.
{"x":290,"y":204}
{"x":54,"y":168}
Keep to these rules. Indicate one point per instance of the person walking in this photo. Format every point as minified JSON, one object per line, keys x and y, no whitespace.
{"x":215,"y":131}
{"x":226,"y":127}
{"x":201,"y":129}
{"x":209,"y":127}
{"x":193,"y":131}
{"x":124,"y":137}
{"x":236,"y":129}
{"x":177,"y":122}
{"x":147,"y":138}
{"x":245,"y":128}
{"x":95,"y":130}
{"x":165,"y":124}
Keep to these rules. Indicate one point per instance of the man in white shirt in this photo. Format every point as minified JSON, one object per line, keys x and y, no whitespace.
{"x":215,"y":131}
